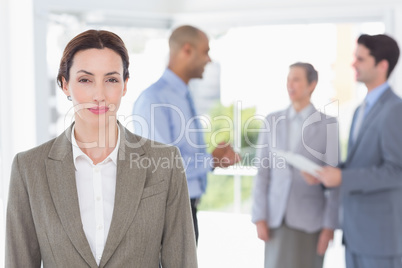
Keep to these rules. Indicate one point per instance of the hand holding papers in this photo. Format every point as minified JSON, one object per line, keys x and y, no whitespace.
{"x":313,"y":173}
{"x":300,"y":162}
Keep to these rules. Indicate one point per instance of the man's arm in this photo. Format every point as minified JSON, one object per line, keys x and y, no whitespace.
{"x":385,"y":176}
{"x":261,"y":180}
{"x":262,"y":230}
{"x":331,"y":211}
{"x":332,"y":194}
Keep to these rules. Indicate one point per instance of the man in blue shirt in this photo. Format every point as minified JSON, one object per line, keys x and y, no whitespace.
{"x":169,"y":116}
{"x":370,"y":180}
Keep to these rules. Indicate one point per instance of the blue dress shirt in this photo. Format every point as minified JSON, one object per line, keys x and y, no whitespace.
{"x":165,"y":112}
{"x":373,"y":96}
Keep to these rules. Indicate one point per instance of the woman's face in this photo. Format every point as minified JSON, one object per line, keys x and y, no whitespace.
{"x":298,"y":87}
{"x":96,"y":85}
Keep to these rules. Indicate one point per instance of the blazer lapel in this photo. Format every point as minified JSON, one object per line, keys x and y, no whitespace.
{"x":350,"y":142}
{"x":130,"y":181}
{"x":309,"y":130}
{"x":60,"y":172}
{"x":279,"y":137}
{"x":368,"y":120}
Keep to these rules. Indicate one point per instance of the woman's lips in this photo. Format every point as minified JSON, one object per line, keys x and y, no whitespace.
{"x":99,"y":109}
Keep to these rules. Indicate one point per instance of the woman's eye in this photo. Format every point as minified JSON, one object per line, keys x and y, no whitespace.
{"x":112,"y":80}
{"x":83,"y":80}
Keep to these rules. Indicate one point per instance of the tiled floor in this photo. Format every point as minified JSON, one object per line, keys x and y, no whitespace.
{"x":229,"y":240}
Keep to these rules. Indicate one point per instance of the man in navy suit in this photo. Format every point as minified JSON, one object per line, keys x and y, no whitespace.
{"x":371,"y":177}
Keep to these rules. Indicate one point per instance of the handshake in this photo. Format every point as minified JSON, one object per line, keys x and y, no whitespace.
{"x":224,"y":156}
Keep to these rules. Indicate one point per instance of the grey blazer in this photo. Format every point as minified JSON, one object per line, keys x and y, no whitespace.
{"x":372,"y":182}
{"x":151,"y":221}
{"x":280,"y":192}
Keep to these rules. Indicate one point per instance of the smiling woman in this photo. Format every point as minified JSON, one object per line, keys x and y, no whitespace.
{"x":78,"y":200}
{"x":96,"y":86}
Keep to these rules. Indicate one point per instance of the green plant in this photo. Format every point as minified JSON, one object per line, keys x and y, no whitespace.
{"x":222,"y":128}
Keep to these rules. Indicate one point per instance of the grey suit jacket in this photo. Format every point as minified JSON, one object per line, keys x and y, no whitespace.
{"x":151,"y":219}
{"x":372,"y":182}
{"x":280,"y":192}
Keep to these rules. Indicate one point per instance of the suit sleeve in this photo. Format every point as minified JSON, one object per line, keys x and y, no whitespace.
{"x":22,"y":247}
{"x":331,"y":212}
{"x":386,"y":175}
{"x":262,"y":179}
{"x":178,"y":243}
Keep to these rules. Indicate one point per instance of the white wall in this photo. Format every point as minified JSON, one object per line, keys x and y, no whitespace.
{"x":4,"y":120}
{"x":189,"y":6}
{"x":396,"y":25}
{"x":17,"y":91}
{"x":149,"y":6}
{"x":17,"y":83}
{"x":217,"y":16}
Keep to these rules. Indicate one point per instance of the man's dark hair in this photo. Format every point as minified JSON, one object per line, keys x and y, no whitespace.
{"x":382,"y":47}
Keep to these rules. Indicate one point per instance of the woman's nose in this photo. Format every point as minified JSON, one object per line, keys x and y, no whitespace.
{"x":99,"y":94}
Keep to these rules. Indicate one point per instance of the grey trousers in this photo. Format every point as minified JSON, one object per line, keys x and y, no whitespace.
{"x":360,"y":261}
{"x":290,"y":248}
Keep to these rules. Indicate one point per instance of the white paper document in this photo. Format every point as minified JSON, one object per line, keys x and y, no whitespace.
{"x":300,"y":162}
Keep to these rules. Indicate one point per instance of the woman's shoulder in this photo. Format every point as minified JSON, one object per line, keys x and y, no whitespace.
{"x":277,"y":113}
{"x":38,"y":153}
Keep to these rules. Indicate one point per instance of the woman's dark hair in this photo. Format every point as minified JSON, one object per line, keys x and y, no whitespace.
{"x":92,"y":39}
{"x":311,"y":73}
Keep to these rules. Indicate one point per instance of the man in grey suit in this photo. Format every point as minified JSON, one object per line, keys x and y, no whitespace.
{"x":371,"y":177}
{"x":295,"y":220}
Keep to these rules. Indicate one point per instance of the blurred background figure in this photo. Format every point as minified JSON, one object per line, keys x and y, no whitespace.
{"x":296,"y":220}
{"x":371,"y":177}
{"x":170,"y":116}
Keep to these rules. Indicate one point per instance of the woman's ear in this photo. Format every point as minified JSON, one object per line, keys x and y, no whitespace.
{"x":125,"y":87}
{"x":64,"y":87}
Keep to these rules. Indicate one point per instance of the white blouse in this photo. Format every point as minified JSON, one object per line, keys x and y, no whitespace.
{"x":96,"y":187}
